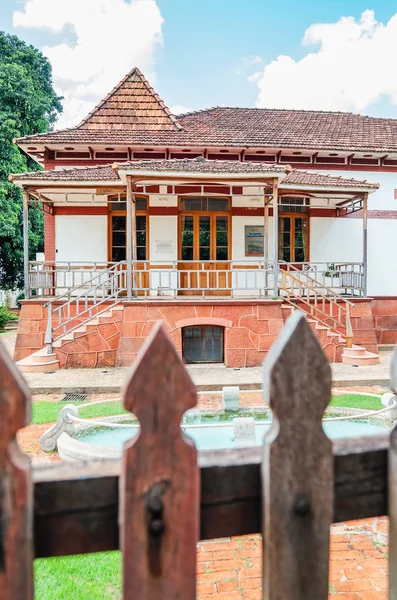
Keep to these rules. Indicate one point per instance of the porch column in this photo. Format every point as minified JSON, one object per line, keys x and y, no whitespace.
{"x":129,"y":251}
{"x":275,"y":236}
{"x":25,"y":216}
{"x":131,"y":254}
{"x":365,"y":244}
{"x":266,"y":237}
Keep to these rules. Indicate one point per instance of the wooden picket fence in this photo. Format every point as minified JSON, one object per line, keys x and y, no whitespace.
{"x":162,"y":498}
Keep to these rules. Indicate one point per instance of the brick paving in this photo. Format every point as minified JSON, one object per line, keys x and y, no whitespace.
{"x":230,"y":569}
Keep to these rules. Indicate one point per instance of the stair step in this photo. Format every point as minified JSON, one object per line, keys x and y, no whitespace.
{"x":52,"y":365}
{"x":42,"y":356}
{"x":81,"y":329}
{"x":39,"y":361}
{"x":361,"y":360}
{"x":355,"y":351}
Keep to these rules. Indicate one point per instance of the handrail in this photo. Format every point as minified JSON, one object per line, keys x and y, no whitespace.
{"x":84,"y":285}
{"x":330,"y":291}
{"x":89,"y":295}
{"x":333,"y":299}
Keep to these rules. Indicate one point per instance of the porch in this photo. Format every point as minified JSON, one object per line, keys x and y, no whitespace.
{"x":195,"y":230}
{"x":156,"y":279}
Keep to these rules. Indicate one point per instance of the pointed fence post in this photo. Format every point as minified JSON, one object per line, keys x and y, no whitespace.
{"x":297,"y":467}
{"x":392,"y":493}
{"x":159,"y":484}
{"x":16,"y":490}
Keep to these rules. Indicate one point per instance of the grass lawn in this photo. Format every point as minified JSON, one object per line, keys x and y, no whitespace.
{"x":88,"y":577}
{"x":47,"y":412}
{"x":356,"y":401}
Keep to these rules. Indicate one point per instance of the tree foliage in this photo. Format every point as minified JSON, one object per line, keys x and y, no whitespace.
{"x":28,"y":105}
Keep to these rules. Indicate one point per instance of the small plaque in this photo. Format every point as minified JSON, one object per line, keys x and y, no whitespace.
{"x":163,"y":246}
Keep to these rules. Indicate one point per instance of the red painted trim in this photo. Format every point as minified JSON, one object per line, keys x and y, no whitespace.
{"x":260,"y":158}
{"x":322,"y":212}
{"x":76,"y":155}
{"x":237,"y":190}
{"x":163,"y":210}
{"x":247,"y":211}
{"x":49,"y":236}
{"x":295,"y":159}
{"x":80,"y":210}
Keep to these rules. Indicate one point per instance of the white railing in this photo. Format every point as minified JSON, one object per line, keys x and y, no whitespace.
{"x":343,"y":278}
{"x":80,"y":304}
{"x":171,"y":278}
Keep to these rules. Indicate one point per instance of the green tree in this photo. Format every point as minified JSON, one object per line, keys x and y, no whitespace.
{"x":28,"y":105}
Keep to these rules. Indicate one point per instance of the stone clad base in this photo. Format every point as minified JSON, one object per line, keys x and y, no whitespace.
{"x":250,"y":329}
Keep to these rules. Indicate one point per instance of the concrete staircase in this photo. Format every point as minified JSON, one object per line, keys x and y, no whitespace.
{"x":91,"y":345}
{"x":334,"y":344}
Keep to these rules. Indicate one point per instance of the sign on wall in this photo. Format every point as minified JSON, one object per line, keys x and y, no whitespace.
{"x":163,"y":246}
{"x":254,"y":240}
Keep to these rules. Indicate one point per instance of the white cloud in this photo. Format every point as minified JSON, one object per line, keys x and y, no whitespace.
{"x":178,"y":109}
{"x":246,"y":62}
{"x":351,"y":69}
{"x":111,"y":37}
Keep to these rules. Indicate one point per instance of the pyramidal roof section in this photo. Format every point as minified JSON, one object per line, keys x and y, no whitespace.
{"x":132,"y":105}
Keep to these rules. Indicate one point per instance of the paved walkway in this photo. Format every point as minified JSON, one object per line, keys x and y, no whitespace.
{"x":206,"y":378}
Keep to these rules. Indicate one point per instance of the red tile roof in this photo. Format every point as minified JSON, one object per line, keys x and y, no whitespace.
{"x":110,"y":173}
{"x":311,"y":178}
{"x":103,"y":173}
{"x":201,"y":165}
{"x":243,"y":127}
{"x":132,"y":104}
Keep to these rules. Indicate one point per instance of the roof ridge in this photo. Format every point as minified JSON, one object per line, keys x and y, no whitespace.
{"x":154,"y":94}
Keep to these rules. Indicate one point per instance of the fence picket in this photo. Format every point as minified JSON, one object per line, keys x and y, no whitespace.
{"x":297,"y":467}
{"x":392,"y":492}
{"x":16,"y":490}
{"x":159,"y":487}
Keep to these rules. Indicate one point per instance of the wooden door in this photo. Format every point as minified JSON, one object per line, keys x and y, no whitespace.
{"x":204,"y":247}
{"x":293,"y":238}
{"x":117,"y":239}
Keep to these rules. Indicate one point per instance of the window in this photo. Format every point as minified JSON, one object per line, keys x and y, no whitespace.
{"x":294,"y":205}
{"x":204,"y":204}
{"x":118,"y":229}
{"x":202,"y":344}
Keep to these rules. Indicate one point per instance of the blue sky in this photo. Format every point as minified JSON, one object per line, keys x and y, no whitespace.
{"x":210,"y":48}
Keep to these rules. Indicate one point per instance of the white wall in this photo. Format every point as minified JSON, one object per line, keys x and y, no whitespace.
{"x":382,"y":252}
{"x":81,"y":238}
{"x":336,"y":240}
{"x":163,"y":231}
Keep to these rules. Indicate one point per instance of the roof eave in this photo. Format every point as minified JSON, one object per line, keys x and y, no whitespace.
{"x":331,"y":188}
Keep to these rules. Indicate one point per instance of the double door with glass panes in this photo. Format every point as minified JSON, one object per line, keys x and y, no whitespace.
{"x":117,"y":242}
{"x":293,"y":242}
{"x":204,"y":241}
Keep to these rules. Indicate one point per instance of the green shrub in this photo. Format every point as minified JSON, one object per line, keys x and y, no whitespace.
{"x":5,"y":317}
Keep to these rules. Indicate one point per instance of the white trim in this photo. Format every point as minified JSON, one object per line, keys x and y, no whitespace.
{"x":325,"y":188}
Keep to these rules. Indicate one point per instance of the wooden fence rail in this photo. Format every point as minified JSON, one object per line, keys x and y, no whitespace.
{"x":162,"y":497}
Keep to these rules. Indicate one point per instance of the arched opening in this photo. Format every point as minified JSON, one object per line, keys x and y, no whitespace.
{"x":203,"y":344}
